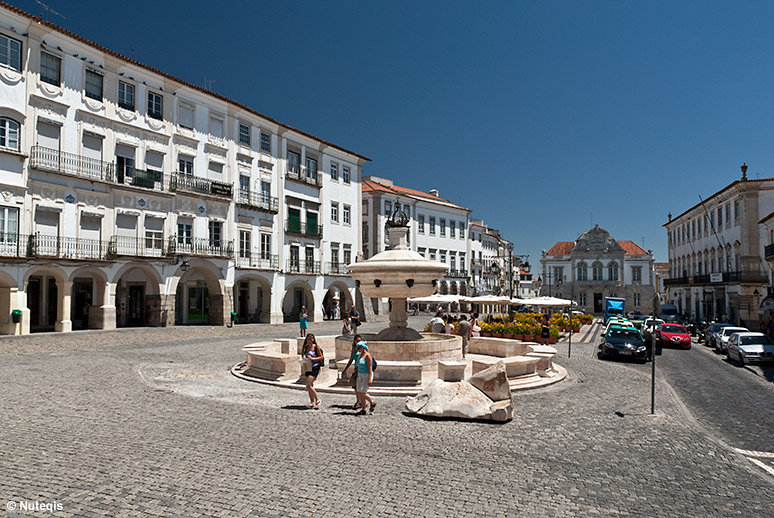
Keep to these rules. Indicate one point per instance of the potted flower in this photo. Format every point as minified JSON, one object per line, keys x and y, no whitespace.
{"x":553,"y":335}
{"x":529,"y":334}
{"x":518,"y":331}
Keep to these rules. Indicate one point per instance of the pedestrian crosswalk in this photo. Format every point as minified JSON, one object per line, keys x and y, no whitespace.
{"x":762,"y":459}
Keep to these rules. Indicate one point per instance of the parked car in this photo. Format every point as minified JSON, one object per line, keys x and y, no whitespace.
{"x":750,"y":347}
{"x":624,"y":342}
{"x":721,"y":340}
{"x":711,"y":333}
{"x":673,"y":335}
{"x":616,"y":321}
{"x":649,"y":325}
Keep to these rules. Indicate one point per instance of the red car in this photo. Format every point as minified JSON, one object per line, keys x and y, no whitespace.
{"x":673,"y":335}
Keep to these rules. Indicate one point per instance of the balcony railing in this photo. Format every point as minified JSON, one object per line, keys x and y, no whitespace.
{"x":12,"y":245}
{"x":457,"y":273}
{"x":141,"y":178}
{"x":727,"y":278}
{"x":336,"y":269}
{"x":138,"y":247}
{"x":259,"y":261}
{"x":47,"y":159}
{"x":42,"y":245}
{"x":199,"y":246}
{"x":181,"y":182}
{"x":303,"y":229}
{"x":300,"y":173}
{"x":254,"y":200}
{"x":303,"y":267}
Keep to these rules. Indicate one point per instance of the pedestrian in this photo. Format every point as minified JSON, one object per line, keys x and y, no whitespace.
{"x":355,"y":317}
{"x":448,"y":326}
{"x":346,"y":327}
{"x":313,"y":360}
{"x":464,"y":329}
{"x":303,"y":321}
{"x":353,"y":378}
{"x":365,"y":376}
{"x":437,"y":324}
{"x":545,"y":331}
{"x":335,"y":309}
{"x":475,"y":325}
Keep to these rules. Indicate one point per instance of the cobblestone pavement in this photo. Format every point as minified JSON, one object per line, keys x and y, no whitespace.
{"x":150,"y":422}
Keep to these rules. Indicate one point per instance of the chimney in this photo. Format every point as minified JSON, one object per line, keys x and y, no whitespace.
{"x":433,"y":192}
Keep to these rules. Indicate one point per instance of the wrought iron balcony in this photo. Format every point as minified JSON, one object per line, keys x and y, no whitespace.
{"x":739,"y":277}
{"x":303,"y":267}
{"x":302,"y":228}
{"x":181,"y":182}
{"x":336,"y":269}
{"x":154,"y":246}
{"x":47,"y":159}
{"x":184,"y":245}
{"x":42,"y":245}
{"x":141,"y":178}
{"x":300,"y":173}
{"x":457,"y":273}
{"x":12,"y":245}
{"x":257,"y":260}
{"x":255,"y":200}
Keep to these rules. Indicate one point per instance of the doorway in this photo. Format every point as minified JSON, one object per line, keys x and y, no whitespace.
{"x":597,"y":303}
{"x":198,"y":305}
{"x":136,"y":305}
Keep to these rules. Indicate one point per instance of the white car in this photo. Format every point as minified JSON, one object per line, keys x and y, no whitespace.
{"x":750,"y":347}
{"x":725,"y":333}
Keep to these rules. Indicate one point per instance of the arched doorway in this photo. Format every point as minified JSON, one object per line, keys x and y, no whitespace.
{"x":338,"y":297}
{"x":252,"y":299}
{"x":199,"y":297}
{"x":137,"y":298}
{"x":43,"y":287}
{"x":297,"y":294}
{"x":87,"y":299}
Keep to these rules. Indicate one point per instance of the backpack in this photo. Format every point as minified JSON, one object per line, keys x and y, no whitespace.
{"x":373,"y":363}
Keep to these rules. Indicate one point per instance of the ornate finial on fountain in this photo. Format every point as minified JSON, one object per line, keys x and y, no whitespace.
{"x":398,"y":226}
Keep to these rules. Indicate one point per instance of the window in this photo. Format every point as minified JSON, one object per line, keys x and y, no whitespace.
{"x":452,"y":229}
{"x":216,"y":169}
{"x":244,"y":243}
{"x":612,"y":271}
{"x":422,"y":251}
{"x":294,"y":163}
{"x":185,"y":165}
{"x":124,"y":163}
{"x":347,"y":254}
{"x":582,"y":299}
{"x":154,"y":235}
{"x":462,"y":229}
{"x":311,"y":168}
{"x":728,"y":213}
{"x":244,"y":185}
{"x":443,"y":256}
{"x":581,"y":271}
{"x":345,"y":215}
{"x":216,"y":127}
{"x":335,"y":172}
{"x":244,"y":134}
{"x":9,"y":224}
{"x":421,"y":223}
{"x":345,"y":174}
{"x":596,"y":271}
{"x":265,"y":246}
{"x":387,"y":208}
{"x":50,"y":69}
{"x":294,"y":259}
{"x":10,"y":52}
{"x":637,"y":273}
{"x":125,"y":95}
{"x":93,"y":87}
{"x":720,"y":217}
{"x":637,"y":299}
{"x":309,"y":253}
{"x":216,"y":228}
{"x":432,"y":254}
{"x":184,"y":233}
{"x":9,"y":134}
{"x":185,"y":116}
{"x":334,"y":212}
{"x":155,"y":106}
{"x":432,"y":225}
{"x":462,"y":261}
{"x":266,"y":142}
{"x":442,"y":226}
{"x":365,"y":208}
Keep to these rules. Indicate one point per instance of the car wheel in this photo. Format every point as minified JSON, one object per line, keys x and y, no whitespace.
{"x":740,"y":361}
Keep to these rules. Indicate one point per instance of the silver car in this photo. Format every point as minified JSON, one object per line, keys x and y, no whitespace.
{"x":724,"y":333}
{"x":750,"y":347}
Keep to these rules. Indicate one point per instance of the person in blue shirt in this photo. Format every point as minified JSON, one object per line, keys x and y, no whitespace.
{"x":365,"y":376}
{"x":303,"y":321}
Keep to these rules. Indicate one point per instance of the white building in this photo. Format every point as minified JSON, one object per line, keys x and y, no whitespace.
{"x":438,"y":229}
{"x":156,"y":201}
{"x":716,"y":251}
{"x":493,"y":267}
{"x":596,"y":266}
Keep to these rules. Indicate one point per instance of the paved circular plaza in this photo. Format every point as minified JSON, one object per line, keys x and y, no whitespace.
{"x":151,"y":422}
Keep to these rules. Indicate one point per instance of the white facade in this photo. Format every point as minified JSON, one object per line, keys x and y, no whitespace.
{"x":493,"y":268}
{"x":156,"y":201}
{"x":438,"y":229}
{"x":716,"y":251}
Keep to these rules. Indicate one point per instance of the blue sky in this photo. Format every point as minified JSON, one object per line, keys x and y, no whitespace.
{"x":543,"y":117}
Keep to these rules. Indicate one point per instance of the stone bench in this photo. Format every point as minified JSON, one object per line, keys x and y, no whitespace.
{"x":545,"y":355}
{"x":451,"y":371}
{"x":515,"y":366}
{"x":393,"y":373}
{"x":273,"y":366}
{"x":500,"y":347}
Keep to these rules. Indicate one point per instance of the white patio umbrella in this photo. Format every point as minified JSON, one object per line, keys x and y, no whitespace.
{"x":435,"y":298}
{"x":548,"y":301}
{"x":486,"y":299}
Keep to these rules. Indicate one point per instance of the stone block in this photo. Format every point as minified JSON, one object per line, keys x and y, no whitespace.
{"x":493,"y":382}
{"x":451,"y":370}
